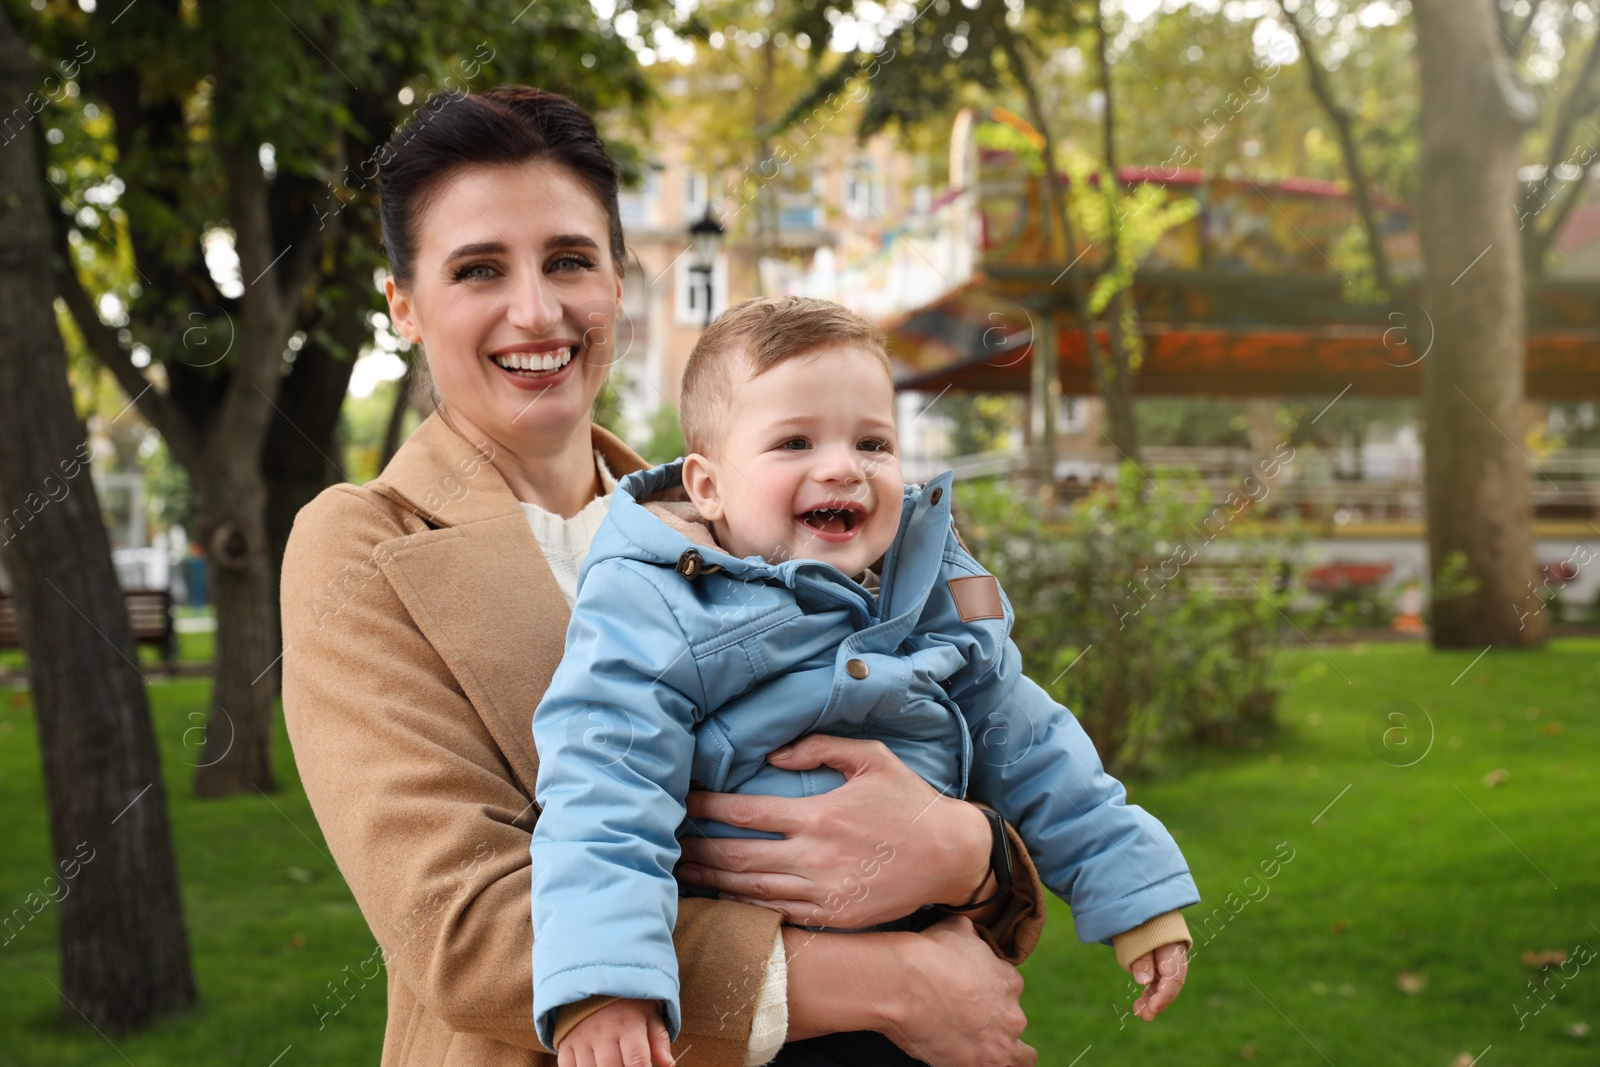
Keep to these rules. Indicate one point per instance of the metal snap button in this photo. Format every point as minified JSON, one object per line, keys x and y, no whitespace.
{"x":857,"y":669}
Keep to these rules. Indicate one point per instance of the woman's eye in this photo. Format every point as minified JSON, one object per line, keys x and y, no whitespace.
{"x":873,"y":444}
{"x":572,"y":261}
{"x":795,"y":444}
{"x":473,"y":272}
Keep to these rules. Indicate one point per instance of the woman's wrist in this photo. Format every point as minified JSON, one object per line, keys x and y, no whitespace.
{"x":972,"y":877}
{"x":874,"y":971}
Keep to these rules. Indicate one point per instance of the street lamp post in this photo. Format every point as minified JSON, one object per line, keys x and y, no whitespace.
{"x":705,"y":238}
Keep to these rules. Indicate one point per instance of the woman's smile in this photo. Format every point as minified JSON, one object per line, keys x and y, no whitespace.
{"x":538,"y":366}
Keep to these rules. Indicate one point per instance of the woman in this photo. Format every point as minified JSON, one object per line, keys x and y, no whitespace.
{"x":423,"y":616}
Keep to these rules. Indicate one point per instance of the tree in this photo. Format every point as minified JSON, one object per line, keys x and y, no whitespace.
{"x":1572,"y":98}
{"x":1344,"y":129}
{"x":124,"y":947}
{"x":1474,"y":111}
{"x":926,"y":63}
{"x":226,"y":126}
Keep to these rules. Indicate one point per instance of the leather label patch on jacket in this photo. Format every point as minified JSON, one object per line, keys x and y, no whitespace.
{"x":977,"y":597}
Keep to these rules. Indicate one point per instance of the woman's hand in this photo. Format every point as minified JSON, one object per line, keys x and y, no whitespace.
{"x":941,"y":995}
{"x":877,"y":848}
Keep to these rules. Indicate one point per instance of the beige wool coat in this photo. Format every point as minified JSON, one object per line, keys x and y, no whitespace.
{"x":421,"y":626}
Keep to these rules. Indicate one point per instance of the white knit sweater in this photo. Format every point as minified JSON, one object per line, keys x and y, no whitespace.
{"x":565,"y":544}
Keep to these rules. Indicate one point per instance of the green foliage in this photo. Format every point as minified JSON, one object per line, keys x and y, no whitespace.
{"x":1133,"y":218}
{"x":1367,"y":605}
{"x":1150,"y":611}
{"x":607,"y":411}
{"x":1191,"y":421}
{"x":1455,"y":578}
{"x":139,"y":151}
{"x":172,"y":498}
{"x":362,"y":424}
{"x":666,"y":436}
{"x":980,"y":422}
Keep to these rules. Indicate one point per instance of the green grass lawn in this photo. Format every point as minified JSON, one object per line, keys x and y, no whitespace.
{"x":1422,"y":870}
{"x":1421,"y":876}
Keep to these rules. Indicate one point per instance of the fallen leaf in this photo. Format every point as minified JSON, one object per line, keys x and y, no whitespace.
{"x":1579,"y":1030}
{"x":1341,"y":925}
{"x":1551,"y":729}
{"x":1410,"y":983}
{"x":1466,"y":1059}
{"x":297,"y":941}
{"x":1545,"y":958}
{"x":1494,"y":778}
{"x":1248,"y":1052}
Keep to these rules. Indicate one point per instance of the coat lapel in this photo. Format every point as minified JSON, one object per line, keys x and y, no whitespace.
{"x":475,"y":581}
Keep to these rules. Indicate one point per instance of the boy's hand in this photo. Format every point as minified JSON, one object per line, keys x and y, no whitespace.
{"x":625,"y":1033}
{"x":1162,"y":973}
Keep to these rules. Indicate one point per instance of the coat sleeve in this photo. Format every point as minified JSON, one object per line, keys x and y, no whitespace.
{"x":422,"y":813}
{"x":1113,"y":862}
{"x":615,"y":734}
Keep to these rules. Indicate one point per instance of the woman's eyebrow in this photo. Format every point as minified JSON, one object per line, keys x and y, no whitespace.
{"x":569,"y":240}
{"x":498,"y":248}
{"x":479,"y":248}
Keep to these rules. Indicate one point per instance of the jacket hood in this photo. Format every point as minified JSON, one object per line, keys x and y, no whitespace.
{"x":653,"y":521}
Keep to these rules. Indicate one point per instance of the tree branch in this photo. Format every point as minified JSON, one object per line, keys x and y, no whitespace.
{"x":153,"y":404}
{"x":1577,"y":104}
{"x":1360,"y":187}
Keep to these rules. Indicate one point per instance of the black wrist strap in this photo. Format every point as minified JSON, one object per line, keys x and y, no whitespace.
{"x":999,"y":865}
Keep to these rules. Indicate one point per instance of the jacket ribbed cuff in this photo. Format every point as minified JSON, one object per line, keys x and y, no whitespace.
{"x":1147,"y":936}
{"x":570,"y":1015}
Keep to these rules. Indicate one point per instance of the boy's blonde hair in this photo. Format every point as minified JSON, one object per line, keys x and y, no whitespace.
{"x":757,"y":335}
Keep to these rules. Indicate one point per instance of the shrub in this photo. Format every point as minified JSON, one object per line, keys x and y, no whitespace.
{"x":1147,"y":609}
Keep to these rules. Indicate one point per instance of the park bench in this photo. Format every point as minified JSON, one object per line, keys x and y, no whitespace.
{"x":149,"y":613}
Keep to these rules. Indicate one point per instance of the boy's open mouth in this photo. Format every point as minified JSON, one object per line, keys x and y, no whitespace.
{"x":832,"y":520}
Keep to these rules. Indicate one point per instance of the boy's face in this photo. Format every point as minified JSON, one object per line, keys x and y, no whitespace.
{"x":808,"y":466}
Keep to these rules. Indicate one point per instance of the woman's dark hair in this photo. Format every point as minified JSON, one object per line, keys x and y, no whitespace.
{"x":507,"y":124}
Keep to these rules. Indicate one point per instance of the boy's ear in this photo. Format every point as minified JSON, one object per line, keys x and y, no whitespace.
{"x":700,"y":482}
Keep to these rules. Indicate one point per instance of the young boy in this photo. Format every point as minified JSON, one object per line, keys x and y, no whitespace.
{"x":778,"y":581}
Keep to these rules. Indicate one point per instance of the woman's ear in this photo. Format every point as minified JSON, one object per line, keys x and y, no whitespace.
{"x":700,"y":482}
{"x":402,"y":314}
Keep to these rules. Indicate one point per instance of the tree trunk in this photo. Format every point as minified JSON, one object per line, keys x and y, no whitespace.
{"x":124,"y":947}
{"x":236,"y":752}
{"x":301,"y":456}
{"x":1059,"y":218}
{"x":1477,"y":480}
{"x":1114,"y":374}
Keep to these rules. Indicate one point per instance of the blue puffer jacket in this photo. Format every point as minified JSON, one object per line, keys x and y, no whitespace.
{"x":684,"y":664}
